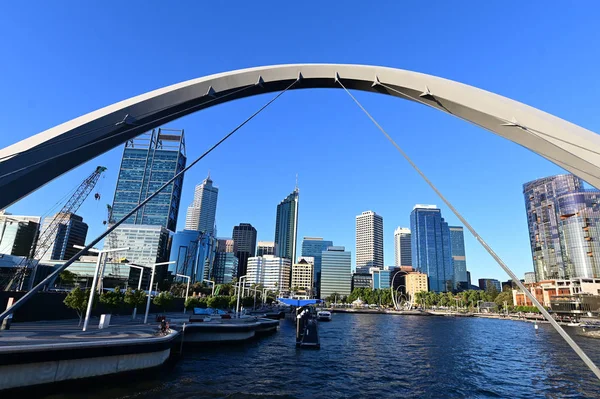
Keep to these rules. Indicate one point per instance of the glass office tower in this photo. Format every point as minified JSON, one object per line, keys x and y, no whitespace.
{"x":286,"y":227}
{"x":314,"y":246}
{"x":459,"y":259}
{"x":336,"y":271}
{"x":431,"y":252}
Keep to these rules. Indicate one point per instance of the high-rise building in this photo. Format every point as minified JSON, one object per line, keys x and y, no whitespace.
{"x":286,"y":226}
{"x":302,"y":276}
{"x":361,"y":280}
{"x":201,"y":213}
{"x":336,"y":271}
{"x":530,"y":278}
{"x":314,"y":247}
{"x":71,"y":232}
{"x":225,"y":245}
{"x":431,"y":248}
{"x":226,"y":264}
{"x":18,"y":234}
{"x":148,"y":162}
{"x":194,"y":253}
{"x":402,"y":247}
{"x":415,"y":282}
{"x":486,"y":283}
{"x":272,"y":272}
{"x":244,"y":245}
{"x":459,"y":260}
{"x":369,"y":241}
{"x":265,"y":248}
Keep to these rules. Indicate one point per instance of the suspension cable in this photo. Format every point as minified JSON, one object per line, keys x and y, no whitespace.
{"x":511,"y":274}
{"x":58,"y":270}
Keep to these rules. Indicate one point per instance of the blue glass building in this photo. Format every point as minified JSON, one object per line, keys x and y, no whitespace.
{"x":149,"y":161}
{"x":381,"y":279}
{"x":286,"y":227}
{"x":226,"y":265}
{"x":336,"y":272}
{"x":314,"y":246}
{"x":431,"y":248}
{"x":194,"y":254}
{"x":459,"y":259}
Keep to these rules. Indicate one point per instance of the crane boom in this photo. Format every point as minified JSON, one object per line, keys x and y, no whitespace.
{"x":47,"y":237}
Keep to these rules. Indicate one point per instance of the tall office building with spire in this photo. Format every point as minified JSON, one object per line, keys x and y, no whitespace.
{"x":286,"y":226}
{"x":201,"y":213}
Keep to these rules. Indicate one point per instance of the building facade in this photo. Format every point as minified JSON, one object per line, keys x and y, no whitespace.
{"x":286,"y":226}
{"x":381,"y":278}
{"x":415,"y":282}
{"x":225,"y":245}
{"x":369,"y":241}
{"x":194,"y":254}
{"x":302,"y":277}
{"x":244,"y":245}
{"x":459,"y":258}
{"x":265,"y":248}
{"x":201,"y":213}
{"x":530,"y":277}
{"x":72,"y":231}
{"x":314,"y":247}
{"x":402,"y":247}
{"x":272,"y":272}
{"x":18,"y":234}
{"x":431,"y":247}
{"x":336,"y":271}
{"x":226,"y":265}
{"x":361,"y":280}
{"x":148,"y":162}
{"x":543,"y":291}
{"x":487,"y":283}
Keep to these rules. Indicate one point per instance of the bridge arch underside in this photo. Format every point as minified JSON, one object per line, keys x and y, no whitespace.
{"x":31,"y":163}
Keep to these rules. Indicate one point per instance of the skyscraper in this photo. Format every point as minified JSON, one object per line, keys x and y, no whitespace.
{"x":402,"y":247}
{"x":225,"y":245}
{"x":564,"y":227}
{"x":18,"y":234}
{"x":194,"y":254}
{"x":286,"y":227}
{"x":244,"y":245}
{"x":314,"y":247}
{"x":459,"y":260}
{"x":369,"y":241}
{"x":336,"y":272}
{"x":149,"y":161}
{"x":70,"y":233}
{"x":226,"y":264}
{"x":272,"y":272}
{"x":201,"y":213}
{"x":431,"y":248}
{"x":265,"y":248}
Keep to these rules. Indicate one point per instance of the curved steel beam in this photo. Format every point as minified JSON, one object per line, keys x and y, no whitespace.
{"x":31,"y":163}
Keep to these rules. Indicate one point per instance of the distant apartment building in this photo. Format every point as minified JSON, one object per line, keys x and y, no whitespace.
{"x":70,"y":232}
{"x":302,"y":277}
{"x":431,"y":247}
{"x":244,"y":245}
{"x":202,"y":212}
{"x":265,"y":248}
{"x":369,"y":241}
{"x":336,"y":271}
{"x":272,"y":272}
{"x":564,"y":227}
{"x":18,"y":234}
{"x":402,"y":247}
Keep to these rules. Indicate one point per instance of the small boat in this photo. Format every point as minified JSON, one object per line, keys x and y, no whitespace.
{"x":324,"y":315}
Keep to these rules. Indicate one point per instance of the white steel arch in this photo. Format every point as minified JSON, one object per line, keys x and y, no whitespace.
{"x":31,"y":163}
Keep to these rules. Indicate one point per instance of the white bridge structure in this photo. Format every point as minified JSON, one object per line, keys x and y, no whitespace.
{"x":31,"y":163}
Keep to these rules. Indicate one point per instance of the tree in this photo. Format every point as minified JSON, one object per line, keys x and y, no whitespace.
{"x":196,"y":302}
{"x":491,"y":292}
{"x":504,"y":296}
{"x":113,"y":300}
{"x":67,"y":278}
{"x":218,"y":302}
{"x":78,"y":300}
{"x":163,"y":300}
{"x":134,"y":298}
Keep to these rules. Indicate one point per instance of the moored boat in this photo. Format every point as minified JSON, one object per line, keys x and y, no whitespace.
{"x":324,"y":315}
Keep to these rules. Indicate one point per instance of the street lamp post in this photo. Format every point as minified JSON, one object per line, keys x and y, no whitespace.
{"x":187,"y":291}
{"x":139,"y":285}
{"x":264,"y":297}
{"x":95,"y":282}
{"x":237,"y":306}
{"x":213,"y":286}
{"x":151,"y":284}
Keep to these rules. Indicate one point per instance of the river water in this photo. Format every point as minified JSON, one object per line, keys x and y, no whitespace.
{"x":369,"y":356}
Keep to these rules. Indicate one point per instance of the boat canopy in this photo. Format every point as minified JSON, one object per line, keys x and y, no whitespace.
{"x":299,"y":302}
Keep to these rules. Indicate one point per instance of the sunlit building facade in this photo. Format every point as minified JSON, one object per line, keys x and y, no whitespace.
{"x":336,"y":271}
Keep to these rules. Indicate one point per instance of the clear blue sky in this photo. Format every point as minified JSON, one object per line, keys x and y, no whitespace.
{"x":61,"y":60}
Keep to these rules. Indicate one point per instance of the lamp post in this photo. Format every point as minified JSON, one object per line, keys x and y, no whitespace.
{"x":264,"y":297}
{"x":139,"y":285}
{"x":95,"y":282}
{"x":151,"y":284}
{"x":213,"y":285}
{"x":187,"y":291}
{"x":237,"y":306}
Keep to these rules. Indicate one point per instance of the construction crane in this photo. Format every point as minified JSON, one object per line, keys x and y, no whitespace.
{"x":48,"y":236}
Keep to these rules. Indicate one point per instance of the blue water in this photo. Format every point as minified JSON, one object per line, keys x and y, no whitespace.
{"x":368,"y":356}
